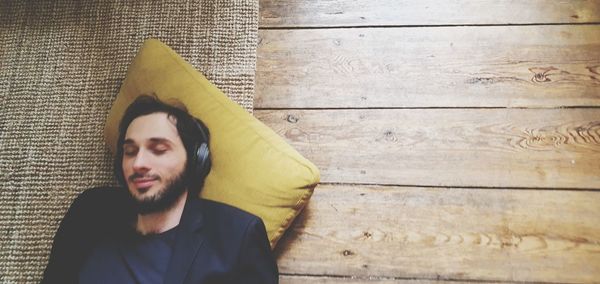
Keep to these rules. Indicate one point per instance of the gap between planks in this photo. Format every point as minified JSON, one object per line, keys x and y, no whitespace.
{"x":465,"y":187}
{"x":381,"y":279}
{"x":423,"y":26}
{"x":433,"y":107}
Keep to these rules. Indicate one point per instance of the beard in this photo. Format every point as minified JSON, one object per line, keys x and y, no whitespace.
{"x":164,"y":199}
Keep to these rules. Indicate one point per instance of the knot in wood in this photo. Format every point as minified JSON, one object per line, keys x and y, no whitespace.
{"x":390,"y":136}
{"x":291,"y":119}
{"x":540,"y":77}
{"x":481,"y":80}
{"x":540,"y":74}
{"x":347,"y":253}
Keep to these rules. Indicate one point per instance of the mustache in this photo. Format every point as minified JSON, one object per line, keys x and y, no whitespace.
{"x":134,"y":176}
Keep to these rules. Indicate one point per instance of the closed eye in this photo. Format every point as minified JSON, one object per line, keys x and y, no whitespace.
{"x":129,"y":151}
{"x":159,"y":148}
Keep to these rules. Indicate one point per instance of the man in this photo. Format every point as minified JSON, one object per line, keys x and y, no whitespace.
{"x":155,"y":229}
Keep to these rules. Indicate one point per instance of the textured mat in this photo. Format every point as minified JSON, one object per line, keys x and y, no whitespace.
{"x":61,"y":64}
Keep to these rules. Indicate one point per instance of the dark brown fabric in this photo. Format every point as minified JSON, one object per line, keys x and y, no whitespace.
{"x":61,"y":65}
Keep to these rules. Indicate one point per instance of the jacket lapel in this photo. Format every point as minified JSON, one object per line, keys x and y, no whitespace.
{"x":190,"y":238}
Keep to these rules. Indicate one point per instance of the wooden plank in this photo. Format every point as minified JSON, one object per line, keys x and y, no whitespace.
{"x":321,"y":13}
{"x":293,"y":279}
{"x":447,"y":147}
{"x":446,"y":233}
{"x":504,"y":66}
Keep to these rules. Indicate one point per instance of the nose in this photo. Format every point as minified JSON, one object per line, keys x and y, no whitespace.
{"x":141,"y":162}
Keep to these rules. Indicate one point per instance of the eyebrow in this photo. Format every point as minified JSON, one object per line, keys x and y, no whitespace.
{"x":153,"y":140}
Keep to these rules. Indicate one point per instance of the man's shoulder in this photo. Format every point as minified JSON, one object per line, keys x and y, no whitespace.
{"x":215,"y":209}
{"x":228,"y":226}
{"x":102,"y":192}
{"x":101,"y":200}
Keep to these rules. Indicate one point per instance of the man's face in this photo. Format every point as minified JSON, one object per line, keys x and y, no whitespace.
{"x":154,"y":161}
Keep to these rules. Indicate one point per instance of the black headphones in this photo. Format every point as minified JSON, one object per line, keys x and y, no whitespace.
{"x":200,"y":156}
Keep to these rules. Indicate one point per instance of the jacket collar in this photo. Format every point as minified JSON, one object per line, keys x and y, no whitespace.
{"x":187,"y":243}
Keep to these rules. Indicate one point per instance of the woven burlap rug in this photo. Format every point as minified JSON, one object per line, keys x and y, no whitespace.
{"x":61,"y":65}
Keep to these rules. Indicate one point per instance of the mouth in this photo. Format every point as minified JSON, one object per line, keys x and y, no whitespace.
{"x":144,"y":183}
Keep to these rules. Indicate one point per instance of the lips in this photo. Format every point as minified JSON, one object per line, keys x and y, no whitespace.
{"x":143,"y":182}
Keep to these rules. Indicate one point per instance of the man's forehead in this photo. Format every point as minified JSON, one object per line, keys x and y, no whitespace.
{"x":156,"y":127}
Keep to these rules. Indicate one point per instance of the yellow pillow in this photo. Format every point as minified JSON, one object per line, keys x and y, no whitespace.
{"x":253,"y":168}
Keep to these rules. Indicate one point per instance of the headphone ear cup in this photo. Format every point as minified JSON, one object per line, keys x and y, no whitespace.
{"x":202,"y":161}
{"x":201,"y":156}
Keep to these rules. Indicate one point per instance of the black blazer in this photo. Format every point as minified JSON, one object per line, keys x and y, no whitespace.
{"x":216,"y":243}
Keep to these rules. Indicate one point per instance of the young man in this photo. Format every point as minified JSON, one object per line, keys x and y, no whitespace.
{"x":154,"y":229}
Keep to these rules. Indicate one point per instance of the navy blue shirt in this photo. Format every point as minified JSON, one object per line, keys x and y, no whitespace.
{"x":135,"y":259}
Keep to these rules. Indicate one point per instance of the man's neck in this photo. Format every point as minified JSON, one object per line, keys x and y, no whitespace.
{"x":156,"y":223}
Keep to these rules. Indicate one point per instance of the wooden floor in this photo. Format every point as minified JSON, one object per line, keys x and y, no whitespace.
{"x":458,"y":141}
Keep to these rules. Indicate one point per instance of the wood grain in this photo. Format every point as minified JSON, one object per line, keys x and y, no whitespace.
{"x":293,"y":279}
{"x":446,"y":233}
{"x":331,"y":13}
{"x":447,"y":147}
{"x":505,"y":66}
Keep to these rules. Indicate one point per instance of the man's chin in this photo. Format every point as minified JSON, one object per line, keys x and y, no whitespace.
{"x":159,"y":197}
{"x":147,"y":206}
{"x":140,"y":190}
{"x":143,"y":193}
{"x":156,"y":202}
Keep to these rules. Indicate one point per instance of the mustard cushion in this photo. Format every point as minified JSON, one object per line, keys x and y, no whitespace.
{"x":253,"y":168}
